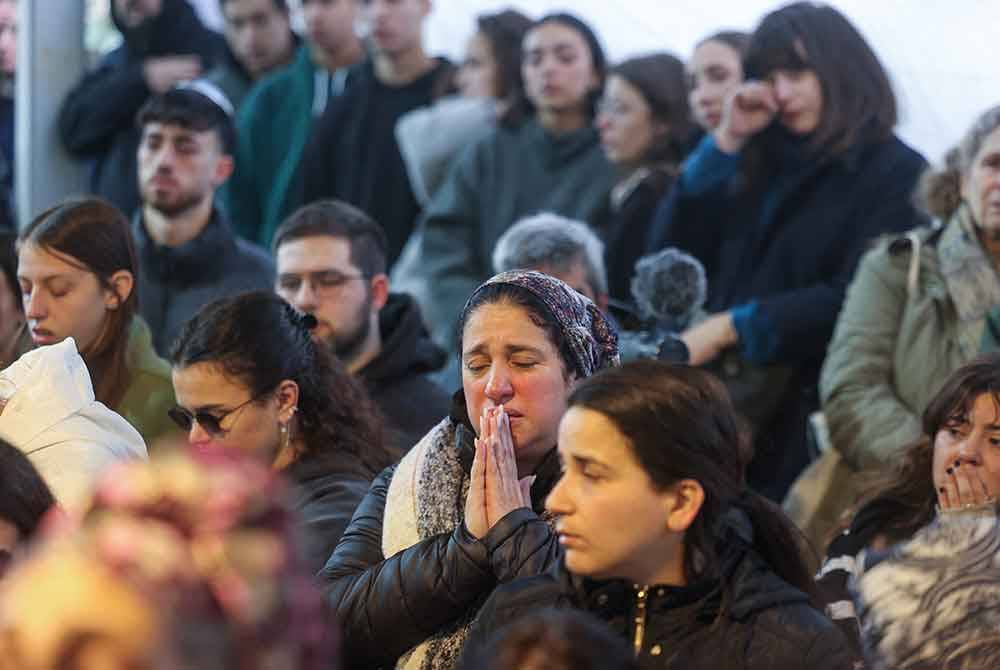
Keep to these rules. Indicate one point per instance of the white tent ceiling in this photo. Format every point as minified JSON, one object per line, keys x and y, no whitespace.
{"x":943,"y":55}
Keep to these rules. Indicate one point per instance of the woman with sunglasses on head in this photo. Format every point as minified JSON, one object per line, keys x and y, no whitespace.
{"x":662,"y":538}
{"x":248,"y":376}
{"x":778,"y":203}
{"x":76,"y":270}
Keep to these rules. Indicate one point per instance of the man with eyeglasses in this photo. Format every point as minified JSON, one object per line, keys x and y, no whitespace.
{"x":331,"y":263}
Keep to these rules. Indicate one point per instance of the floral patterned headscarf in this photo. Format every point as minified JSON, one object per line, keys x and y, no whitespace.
{"x":592,"y":340}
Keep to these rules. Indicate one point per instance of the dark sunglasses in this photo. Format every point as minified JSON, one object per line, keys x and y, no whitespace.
{"x":210,"y":423}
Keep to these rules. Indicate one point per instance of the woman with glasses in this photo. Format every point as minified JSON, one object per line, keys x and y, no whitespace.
{"x":646,"y":129}
{"x":76,"y":270}
{"x":248,"y":376}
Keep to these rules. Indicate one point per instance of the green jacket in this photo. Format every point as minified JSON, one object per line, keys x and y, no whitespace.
{"x":150,"y":392}
{"x":893,"y":347}
{"x":273,"y":125}
{"x":509,"y":174}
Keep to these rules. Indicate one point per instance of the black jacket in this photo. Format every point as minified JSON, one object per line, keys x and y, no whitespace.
{"x":770,"y":624}
{"x":175,"y":282}
{"x":398,"y":378}
{"x":98,"y":118}
{"x":388,"y":605}
{"x":325,"y":494}
{"x":353,"y":154}
{"x":627,"y":229}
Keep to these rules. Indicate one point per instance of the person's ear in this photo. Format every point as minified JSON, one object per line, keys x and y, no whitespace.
{"x":288,"y":400}
{"x":120,"y":286}
{"x":379,"y":287}
{"x":224,"y":166}
{"x":683,"y":503}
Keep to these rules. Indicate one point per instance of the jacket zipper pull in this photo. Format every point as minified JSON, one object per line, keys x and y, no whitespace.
{"x":640,"y":618}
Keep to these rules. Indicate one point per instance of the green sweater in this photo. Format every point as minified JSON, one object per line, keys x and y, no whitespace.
{"x":509,"y":174}
{"x":150,"y":392}
{"x":273,"y":125}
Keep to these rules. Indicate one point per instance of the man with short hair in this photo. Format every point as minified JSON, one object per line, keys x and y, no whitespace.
{"x":353,"y":154}
{"x":331,"y":264}
{"x":276,"y":119}
{"x":188,"y":255}
{"x":259,"y":41}
{"x":566,"y":249}
{"x":164,"y":43}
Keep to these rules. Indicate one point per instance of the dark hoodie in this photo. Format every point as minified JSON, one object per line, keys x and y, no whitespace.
{"x":98,"y":118}
{"x":397,"y":378}
{"x":769,"y":624}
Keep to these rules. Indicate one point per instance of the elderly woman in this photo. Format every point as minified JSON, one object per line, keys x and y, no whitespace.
{"x":920,"y":306}
{"x":462,"y":511}
{"x":922,"y":550}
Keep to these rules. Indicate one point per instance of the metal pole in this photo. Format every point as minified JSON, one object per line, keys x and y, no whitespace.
{"x":50,"y":60}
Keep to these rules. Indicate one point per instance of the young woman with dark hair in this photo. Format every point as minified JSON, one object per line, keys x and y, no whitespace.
{"x":933,"y":505}
{"x":715,"y":70}
{"x":490,"y":88}
{"x":76,"y":270}
{"x":662,"y":538}
{"x":14,"y":336}
{"x":248,"y":375}
{"x":778,"y":203}
{"x":546,"y":157}
{"x":24,"y":500}
{"x":462,"y":511}
{"x":646,"y":131}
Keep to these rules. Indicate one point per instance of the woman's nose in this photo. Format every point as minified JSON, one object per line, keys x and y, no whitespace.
{"x":557,"y":502}
{"x":498,"y":387}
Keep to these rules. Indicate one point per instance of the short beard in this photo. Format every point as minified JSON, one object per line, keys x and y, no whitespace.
{"x":183,"y":205}
{"x":347,"y":346}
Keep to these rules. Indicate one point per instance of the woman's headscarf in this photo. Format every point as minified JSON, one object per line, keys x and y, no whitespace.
{"x":592,"y":340}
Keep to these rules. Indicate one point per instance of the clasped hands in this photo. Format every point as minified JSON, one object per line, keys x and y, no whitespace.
{"x":494,"y":489}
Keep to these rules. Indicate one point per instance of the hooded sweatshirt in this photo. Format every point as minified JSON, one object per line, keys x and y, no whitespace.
{"x":97,"y":120}
{"x":51,"y":415}
{"x":398,"y":378}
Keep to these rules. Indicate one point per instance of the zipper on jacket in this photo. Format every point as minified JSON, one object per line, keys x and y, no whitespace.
{"x":639,"y":620}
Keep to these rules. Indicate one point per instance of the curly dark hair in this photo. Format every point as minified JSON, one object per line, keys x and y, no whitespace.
{"x":259,"y":339}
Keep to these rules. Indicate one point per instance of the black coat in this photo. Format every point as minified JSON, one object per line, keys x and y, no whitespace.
{"x":398,"y":379}
{"x":98,"y":118}
{"x":627,"y":229}
{"x":770,"y":625}
{"x":388,"y":605}
{"x":793,"y":250}
{"x":175,"y":282}
{"x":325,"y":494}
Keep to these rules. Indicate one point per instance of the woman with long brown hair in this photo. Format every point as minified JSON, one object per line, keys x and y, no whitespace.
{"x":76,"y":271}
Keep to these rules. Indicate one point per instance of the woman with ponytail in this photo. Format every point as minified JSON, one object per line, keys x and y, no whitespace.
{"x":662,"y":537}
{"x":248,"y":376}
{"x":921,"y":305}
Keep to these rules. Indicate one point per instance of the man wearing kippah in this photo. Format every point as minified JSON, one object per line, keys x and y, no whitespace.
{"x":188,"y":254}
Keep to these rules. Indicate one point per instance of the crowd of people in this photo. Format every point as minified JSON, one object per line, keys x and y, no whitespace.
{"x":353,"y":357}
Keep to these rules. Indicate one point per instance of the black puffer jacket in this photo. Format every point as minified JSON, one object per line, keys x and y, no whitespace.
{"x":770,"y":624}
{"x":388,"y":605}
